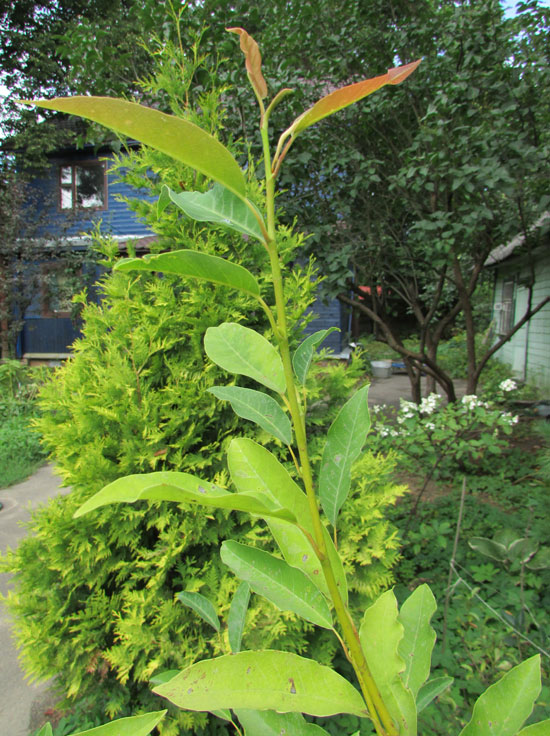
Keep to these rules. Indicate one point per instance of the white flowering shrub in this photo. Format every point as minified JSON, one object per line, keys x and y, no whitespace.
{"x":438,"y":440}
{"x":507,"y":385}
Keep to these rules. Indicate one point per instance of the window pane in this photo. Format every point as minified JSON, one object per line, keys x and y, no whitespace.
{"x":66,"y":187}
{"x":61,"y":291}
{"x":507,"y":307}
{"x":90,"y":182}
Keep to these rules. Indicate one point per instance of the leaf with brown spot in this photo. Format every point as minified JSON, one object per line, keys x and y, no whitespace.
{"x":319,"y":690}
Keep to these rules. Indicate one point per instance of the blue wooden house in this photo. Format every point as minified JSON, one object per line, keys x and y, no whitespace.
{"x":76,"y":193}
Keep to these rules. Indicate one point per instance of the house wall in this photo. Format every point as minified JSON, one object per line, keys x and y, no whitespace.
{"x":48,"y":337}
{"x":528,"y":352}
{"x":117,"y":219}
{"x":51,"y":335}
{"x":327,"y":315}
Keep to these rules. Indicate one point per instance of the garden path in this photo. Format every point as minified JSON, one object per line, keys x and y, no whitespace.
{"x":22,"y":704}
{"x":390,"y":390}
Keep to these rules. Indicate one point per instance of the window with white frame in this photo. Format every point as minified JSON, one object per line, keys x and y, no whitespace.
{"x":83,"y":186}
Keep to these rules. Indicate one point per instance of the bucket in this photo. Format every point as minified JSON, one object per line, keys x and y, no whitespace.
{"x":381,"y":368}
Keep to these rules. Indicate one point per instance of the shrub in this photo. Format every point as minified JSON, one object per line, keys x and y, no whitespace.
{"x":20,"y":449}
{"x":438,"y":441}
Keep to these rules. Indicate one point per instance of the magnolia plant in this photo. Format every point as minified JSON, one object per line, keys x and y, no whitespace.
{"x":267,"y":692}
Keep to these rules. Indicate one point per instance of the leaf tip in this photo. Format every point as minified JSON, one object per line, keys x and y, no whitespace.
{"x":400,"y":73}
{"x":253,"y":59}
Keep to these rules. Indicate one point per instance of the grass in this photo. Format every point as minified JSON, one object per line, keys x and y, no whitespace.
{"x":20,"y":451}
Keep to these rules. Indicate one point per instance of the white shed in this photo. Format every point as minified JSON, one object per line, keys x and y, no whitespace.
{"x":528,"y":351}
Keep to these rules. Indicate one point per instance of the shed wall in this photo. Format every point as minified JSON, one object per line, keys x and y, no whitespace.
{"x":528,"y":352}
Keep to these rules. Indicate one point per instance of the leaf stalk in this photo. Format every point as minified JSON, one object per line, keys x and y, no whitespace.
{"x":378,"y":712}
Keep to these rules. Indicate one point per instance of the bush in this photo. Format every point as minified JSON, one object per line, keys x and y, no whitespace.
{"x":440,"y":441}
{"x":20,"y":450}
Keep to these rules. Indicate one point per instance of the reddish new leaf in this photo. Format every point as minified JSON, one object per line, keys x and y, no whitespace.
{"x":253,"y":57}
{"x":345,"y":96}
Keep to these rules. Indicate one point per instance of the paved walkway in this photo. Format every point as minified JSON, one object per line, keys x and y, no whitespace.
{"x":390,"y":390}
{"x":22,"y":705}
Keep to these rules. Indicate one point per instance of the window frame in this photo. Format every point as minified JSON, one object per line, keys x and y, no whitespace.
{"x":73,"y":165}
{"x":508,"y":306}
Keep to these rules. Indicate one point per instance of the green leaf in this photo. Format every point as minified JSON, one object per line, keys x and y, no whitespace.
{"x":345,"y":440}
{"x":381,"y":633}
{"x":419,"y":638}
{"x":503,"y":708}
{"x":182,"y":488}
{"x":266,"y":680}
{"x":298,"y":552}
{"x":345,"y":96}
{"x":238,"y":349}
{"x":257,"y":407}
{"x":431,"y":690}
{"x":536,"y":729}
{"x":252,"y":467}
{"x":285,"y":586}
{"x":541,"y":560}
{"x":505,"y":537}
{"x":489,"y":548}
{"x":178,"y":138}
{"x":132,"y":726}
{"x":224,"y":714}
{"x":522,"y":550}
{"x":192,"y":264}
{"x":200,"y":605}
{"x":46,"y":730}
{"x":301,"y":360}
{"x":163,"y":200}
{"x":270,"y":723}
{"x":237,"y":616}
{"x":221,"y":206}
{"x":164,"y":676}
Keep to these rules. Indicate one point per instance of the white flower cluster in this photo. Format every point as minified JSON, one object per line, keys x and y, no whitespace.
{"x":471,"y":401}
{"x":429,"y":404}
{"x":408,"y":410}
{"x":388,"y":432}
{"x":508,"y":385}
{"x":510,"y":418}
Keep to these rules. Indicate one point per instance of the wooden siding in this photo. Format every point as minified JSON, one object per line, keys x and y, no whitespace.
{"x":47,"y":336}
{"x":117,"y":219}
{"x":327,"y":315}
{"x":528,"y":352}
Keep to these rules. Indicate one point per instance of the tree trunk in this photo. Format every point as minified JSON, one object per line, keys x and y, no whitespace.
{"x":417,"y":360}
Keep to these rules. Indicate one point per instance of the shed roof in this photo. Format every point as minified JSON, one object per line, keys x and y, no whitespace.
{"x":502,"y":252}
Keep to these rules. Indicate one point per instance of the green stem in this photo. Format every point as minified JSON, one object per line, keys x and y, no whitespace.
{"x":377,"y":709}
